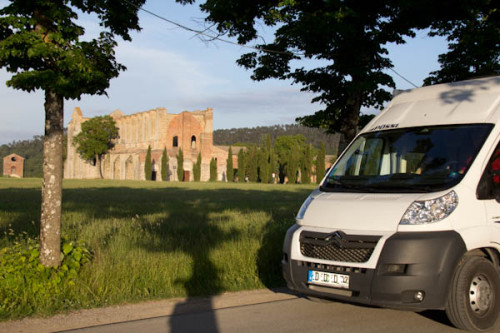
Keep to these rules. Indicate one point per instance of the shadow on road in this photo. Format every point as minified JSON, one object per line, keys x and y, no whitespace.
{"x":437,"y":316}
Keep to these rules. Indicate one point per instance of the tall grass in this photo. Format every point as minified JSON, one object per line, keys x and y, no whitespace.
{"x":154,"y":240}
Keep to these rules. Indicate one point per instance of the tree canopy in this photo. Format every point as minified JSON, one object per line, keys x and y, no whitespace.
{"x":41,"y":45}
{"x":164,"y":164}
{"x":96,"y":139}
{"x":347,"y":41}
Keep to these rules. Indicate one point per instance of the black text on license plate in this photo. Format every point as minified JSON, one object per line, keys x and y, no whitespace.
{"x":329,"y":279}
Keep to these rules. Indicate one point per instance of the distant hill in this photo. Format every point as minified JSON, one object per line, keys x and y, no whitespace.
{"x":314,"y":136}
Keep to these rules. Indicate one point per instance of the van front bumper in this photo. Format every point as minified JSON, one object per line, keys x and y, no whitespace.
{"x":414,"y":271}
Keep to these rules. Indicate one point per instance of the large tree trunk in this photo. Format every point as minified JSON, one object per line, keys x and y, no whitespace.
{"x":350,"y":121}
{"x":50,"y":222}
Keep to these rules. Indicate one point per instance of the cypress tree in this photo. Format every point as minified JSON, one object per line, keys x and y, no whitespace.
{"x":320,"y":163}
{"x":263,"y":165}
{"x":293,"y":165}
{"x":273,"y":167}
{"x":164,"y":165}
{"x":252,"y":165}
{"x":213,"y":170}
{"x":197,"y":168}
{"x":180,"y":165}
{"x":147,"y":165}
{"x":241,"y":165}
{"x":306,"y":165}
{"x":229,"y":165}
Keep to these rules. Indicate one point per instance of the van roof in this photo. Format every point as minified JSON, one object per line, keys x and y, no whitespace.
{"x":472,"y":101}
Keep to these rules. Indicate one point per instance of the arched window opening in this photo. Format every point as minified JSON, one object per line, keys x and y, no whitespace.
{"x":193,"y":142}
{"x":175,"y":142}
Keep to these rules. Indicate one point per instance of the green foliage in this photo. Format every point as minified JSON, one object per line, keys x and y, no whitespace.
{"x":348,"y":42}
{"x":229,"y":165}
{"x":263,"y":165}
{"x":164,"y":165}
{"x":148,"y":175}
{"x":180,"y":165}
{"x":473,"y":48}
{"x":96,"y":139}
{"x":273,"y":166}
{"x":24,"y":282}
{"x":213,"y":170}
{"x":252,"y":164}
{"x":320,"y":164}
{"x":289,"y":152}
{"x":197,"y":168}
{"x":235,"y":136}
{"x":43,"y":48}
{"x":241,"y":165}
{"x":306,"y":165}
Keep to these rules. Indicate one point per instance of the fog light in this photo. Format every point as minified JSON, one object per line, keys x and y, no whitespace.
{"x":393,"y":269}
{"x":419,"y":296}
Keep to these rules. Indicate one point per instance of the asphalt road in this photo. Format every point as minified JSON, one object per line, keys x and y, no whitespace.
{"x":252,"y":311}
{"x":293,"y":315}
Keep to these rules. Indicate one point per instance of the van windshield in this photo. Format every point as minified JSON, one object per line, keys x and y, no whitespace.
{"x":418,"y":159}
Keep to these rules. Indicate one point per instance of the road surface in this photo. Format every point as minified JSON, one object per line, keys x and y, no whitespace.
{"x":258,"y":311}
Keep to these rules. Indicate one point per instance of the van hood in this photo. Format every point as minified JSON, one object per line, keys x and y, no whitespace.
{"x":358,"y":211}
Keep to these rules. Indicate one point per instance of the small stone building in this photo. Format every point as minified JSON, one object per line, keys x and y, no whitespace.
{"x":13,"y":166}
{"x":191,"y":131}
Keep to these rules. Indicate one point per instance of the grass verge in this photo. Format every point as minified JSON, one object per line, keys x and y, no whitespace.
{"x":152,"y":240}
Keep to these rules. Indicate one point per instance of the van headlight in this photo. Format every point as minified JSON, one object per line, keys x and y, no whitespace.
{"x":304,"y":206}
{"x":430,"y":211}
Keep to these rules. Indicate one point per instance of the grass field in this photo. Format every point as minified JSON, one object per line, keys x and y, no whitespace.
{"x":154,"y":240}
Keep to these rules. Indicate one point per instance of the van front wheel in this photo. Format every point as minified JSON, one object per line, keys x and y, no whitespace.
{"x":474,"y":297}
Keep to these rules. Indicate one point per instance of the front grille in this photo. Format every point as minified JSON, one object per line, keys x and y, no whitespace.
{"x":337,"y":246}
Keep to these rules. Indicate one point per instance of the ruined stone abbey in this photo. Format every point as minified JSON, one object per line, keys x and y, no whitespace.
{"x":191,"y":131}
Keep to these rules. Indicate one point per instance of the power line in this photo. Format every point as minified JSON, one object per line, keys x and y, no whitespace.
{"x":401,"y":76}
{"x":203,"y":33}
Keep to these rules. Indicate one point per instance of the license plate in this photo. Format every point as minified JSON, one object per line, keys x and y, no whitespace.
{"x":329,"y":279}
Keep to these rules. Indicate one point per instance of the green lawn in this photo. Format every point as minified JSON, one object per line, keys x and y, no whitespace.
{"x":152,"y":240}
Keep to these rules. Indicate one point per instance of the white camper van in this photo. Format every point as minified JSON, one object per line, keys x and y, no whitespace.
{"x":409,"y":215}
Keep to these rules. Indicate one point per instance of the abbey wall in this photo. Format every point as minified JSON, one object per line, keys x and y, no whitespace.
{"x":191,"y":131}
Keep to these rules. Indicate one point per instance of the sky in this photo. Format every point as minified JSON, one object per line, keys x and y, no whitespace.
{"x":173,"y":68}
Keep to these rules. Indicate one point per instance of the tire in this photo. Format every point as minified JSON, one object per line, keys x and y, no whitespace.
{"x":474,"y":298}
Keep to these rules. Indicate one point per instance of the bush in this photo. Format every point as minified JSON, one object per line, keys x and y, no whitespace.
{"x":24,"y":282}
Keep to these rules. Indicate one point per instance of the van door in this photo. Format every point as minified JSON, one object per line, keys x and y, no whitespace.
{"x":489,"y":191}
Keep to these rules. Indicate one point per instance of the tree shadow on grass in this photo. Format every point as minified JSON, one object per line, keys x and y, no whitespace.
{"x":192,"y":220}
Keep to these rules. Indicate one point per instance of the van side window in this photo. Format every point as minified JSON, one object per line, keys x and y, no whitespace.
{"x":490,"y":180}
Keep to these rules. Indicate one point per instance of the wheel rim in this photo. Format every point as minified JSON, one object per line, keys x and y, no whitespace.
{"x":480,"y":295}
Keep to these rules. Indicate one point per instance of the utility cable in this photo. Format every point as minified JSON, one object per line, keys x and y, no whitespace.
{"x":401,"y":76}
{"x":203,"y":33}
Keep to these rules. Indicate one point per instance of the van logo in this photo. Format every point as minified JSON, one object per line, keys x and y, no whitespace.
{"x":339,"y":238}
{"x":384,"y":126}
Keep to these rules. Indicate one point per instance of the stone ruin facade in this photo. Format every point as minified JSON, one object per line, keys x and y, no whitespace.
{"x":191,"y":131}
{"x":13,"y":166}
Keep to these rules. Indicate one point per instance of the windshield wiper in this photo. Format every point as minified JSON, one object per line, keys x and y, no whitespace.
{"x":334,"y":185}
